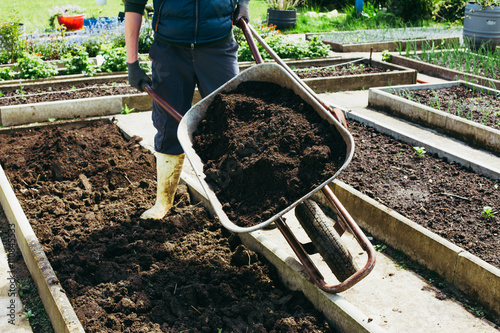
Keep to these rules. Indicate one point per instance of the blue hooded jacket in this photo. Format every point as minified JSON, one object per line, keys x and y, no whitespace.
{"x":189,"y":22}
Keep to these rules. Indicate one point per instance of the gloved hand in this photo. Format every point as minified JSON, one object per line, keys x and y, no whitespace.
{"x":241,"y":12}
{"x":137,"y":77}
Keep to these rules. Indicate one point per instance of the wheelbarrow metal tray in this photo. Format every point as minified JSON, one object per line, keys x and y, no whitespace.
{"x":265,"y":73}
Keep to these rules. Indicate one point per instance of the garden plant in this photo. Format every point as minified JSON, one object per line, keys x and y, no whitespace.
{"x":454,"y":55}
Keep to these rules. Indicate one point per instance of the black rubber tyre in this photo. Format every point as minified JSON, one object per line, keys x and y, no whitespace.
{"x":325,"y":239}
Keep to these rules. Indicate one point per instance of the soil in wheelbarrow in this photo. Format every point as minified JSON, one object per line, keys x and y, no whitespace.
{"x":83,"y":191}
{"x":263,"y":147}
{"x":444,"y":197}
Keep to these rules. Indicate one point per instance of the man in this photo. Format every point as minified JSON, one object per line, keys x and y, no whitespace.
{"x":193,"y":46}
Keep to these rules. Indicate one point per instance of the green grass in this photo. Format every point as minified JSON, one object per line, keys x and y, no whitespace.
{"x":35,"y":14}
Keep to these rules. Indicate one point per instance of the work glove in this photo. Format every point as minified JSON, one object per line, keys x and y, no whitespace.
{"x":241,"y":11}
{"x":137,"y":77}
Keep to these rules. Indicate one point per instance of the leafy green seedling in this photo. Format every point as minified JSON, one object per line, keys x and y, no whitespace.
{"x":380,"y":247}
{"x":126,"y":109}
{"x":420,"y":151}
{"x":52,"y":120}
{"x":28,"y":314}
{"x":488,"y":212}
{"x":386,"y":56}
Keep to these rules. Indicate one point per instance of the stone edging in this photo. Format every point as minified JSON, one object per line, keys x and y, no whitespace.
{"x":78,"y":108}
{"x":392,"y":45}
{"x":460,"y":128}
{"x":397,"y":76}
{"x":55,"y":301}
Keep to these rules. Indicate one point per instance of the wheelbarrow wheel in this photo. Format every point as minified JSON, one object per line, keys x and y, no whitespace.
{"x":325,"y":239}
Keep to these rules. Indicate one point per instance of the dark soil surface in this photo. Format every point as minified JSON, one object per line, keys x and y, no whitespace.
{"x":31,"y":94}
{"x":263,"y":148}
{"x":83,"y":191}
{"x":460,"y":101}
{"x":443,"y":197}
{"x":350,"y":69}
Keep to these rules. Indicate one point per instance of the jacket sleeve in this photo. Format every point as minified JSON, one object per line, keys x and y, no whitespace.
{"x":136,"y":6}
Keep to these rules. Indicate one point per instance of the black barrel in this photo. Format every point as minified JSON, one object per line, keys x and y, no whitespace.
{"x":282,"y":19}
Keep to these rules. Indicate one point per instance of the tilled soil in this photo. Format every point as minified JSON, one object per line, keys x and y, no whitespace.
{"x":350,"y":69}
{"x":468,"y":103}
{"x":32,"y":94}
{"x":83,"y":191}
{"x":263,"y":148}
{"x":443,"y":197}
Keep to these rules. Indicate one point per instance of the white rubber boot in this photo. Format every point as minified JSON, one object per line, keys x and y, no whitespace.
{"x":168,"y":169}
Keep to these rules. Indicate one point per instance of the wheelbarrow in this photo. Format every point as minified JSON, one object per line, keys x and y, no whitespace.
{"x":324,"y":238}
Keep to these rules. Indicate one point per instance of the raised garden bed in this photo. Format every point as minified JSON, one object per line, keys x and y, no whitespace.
{"x":458,"y":126}
{"x":354,"y":78}
{"x":442,"y":198}
{"x":443,"y":72}
{"x":83,"y":191}
{"x":379,"y":40}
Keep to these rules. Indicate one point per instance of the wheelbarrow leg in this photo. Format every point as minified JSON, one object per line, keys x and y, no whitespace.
{"x":304,"y":258}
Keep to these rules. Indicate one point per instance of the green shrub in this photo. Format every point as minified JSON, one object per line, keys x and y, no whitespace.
{"x":32,"y":66}
{"x":4,"y":58}
{"x":374,"y":19}
{"x":52,"y":49}
{"x":145,"y":39}
{"x":115,"y":60}
{"x":92,"y":46}
{"x":78,"y":62}
{"x":11,"y":40}
{"x":449,"y":11}
{"x":285,"y":49}
{"x":411,"y":11}
{"x":331,"y":4}
{"x":6,"y":74}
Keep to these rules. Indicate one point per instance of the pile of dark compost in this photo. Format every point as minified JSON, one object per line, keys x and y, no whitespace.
{"x":263,"y":147}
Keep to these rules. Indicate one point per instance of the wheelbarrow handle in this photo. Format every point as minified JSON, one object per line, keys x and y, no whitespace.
{"x":248,"y":31}
{"x":163,"y":103}
{"x":245,"y":28}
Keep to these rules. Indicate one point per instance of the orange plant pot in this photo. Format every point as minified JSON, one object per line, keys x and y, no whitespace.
{"x":74,"y":22}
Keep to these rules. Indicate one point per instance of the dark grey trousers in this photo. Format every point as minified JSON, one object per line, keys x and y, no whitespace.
{"x":176,"y":72}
